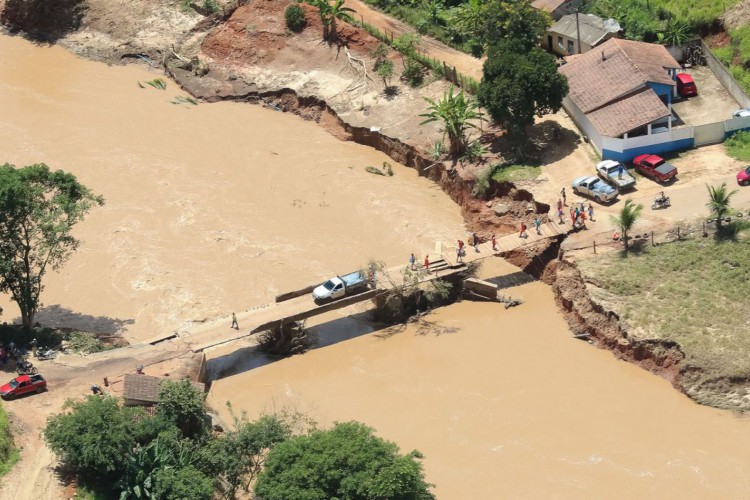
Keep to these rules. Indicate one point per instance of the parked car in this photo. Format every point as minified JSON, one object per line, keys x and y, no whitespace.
{"x":615,"y":174}
{"x":743,"y":177}
{"x":23,"y":385}
{"x":340,"y":286}
{"x":685,"y":85}
{"x":654,"y":167}
{"x":595,"y":188}
{"x":741,"y":113}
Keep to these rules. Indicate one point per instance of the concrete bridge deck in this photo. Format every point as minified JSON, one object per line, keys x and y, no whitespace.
{"x":218,"y":331}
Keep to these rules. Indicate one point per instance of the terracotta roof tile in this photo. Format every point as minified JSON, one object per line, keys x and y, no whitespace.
{"x":628,"y":114}
{"x":146,"y":387}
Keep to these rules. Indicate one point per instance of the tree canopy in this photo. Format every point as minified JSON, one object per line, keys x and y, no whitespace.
{"x":347,"y":461}
{"x":182,"y":404}
{"x":458,"y":114}
{"x":514,"y":20}
{"x":518,"y":84}
{"x":38,"y":209}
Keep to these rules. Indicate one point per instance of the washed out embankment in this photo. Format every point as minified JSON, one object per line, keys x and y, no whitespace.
{"x":543,"y":260}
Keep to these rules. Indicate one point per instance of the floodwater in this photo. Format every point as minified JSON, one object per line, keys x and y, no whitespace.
{"x":505,"y":404}
{"x":209,"y":209}
{"x":219,"y":207}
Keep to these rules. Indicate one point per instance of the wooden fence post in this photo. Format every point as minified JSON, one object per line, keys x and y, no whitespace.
{"x":678,"y":232}
{"x":652,"y":238}
{"x":594,"y":246}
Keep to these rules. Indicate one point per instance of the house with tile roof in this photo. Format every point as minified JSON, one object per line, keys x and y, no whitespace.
{"x":577,"y":36}
{"x":623,"y":89}
{"x":557,"y":8}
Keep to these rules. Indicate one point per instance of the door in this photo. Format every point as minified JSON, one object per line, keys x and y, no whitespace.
{"x":549,"y":43}
{"x":338,"y":291}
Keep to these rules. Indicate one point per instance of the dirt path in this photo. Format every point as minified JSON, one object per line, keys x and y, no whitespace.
{"x":463,"y":62}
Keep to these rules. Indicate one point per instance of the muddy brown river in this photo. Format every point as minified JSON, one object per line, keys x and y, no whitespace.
{"x":214,"y":208}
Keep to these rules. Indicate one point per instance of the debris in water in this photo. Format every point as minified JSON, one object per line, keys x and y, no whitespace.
{"x":157,"y":83}
{"x":374,"y":170}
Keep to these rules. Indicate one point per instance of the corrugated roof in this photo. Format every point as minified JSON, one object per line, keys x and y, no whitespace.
{"x":592,"y":28}
{"x":628,"y":114}
{"x":549,"y":5}
{"x":146,"y":387}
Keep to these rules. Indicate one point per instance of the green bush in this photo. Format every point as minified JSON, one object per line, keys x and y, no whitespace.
{"x":738,"y":146}
{"x":210,"y":6}
{"x":295,"y":18}
{"x":8,"y":452}
{"x":724,"y":54}
{"x":413,"y":72}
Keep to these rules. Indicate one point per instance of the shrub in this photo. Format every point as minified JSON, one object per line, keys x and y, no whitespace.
{"x":210,"y":6}
{"x":295,"y":18}
{"x":413,"y":72}
{"x":724,"y":54}
{"x":8,"y":452}
{"x":738,"y":146}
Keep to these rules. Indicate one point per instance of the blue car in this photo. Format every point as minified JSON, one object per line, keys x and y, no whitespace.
{"x":595,"y":188}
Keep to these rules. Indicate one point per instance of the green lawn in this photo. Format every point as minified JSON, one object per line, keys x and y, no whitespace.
{"x":693,"y":292}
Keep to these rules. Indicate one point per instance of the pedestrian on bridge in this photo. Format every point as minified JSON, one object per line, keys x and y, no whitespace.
{"x":427,"y":263}
{"x":538,"y":223}
{"x":458,"y":254}
{"x":562,"y":194}
{"x":412,"y":261}
{"x":235,"y":325}
{"x":494,"y":243}
{"x":523,"y":234}
{"x":475,"y":241}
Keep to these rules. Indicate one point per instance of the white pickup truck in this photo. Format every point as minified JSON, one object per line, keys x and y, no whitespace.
{"x":340,"y":286}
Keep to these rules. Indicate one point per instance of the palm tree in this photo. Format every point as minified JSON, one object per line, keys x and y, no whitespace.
{"x":718,"y":202}
{"x":624,"y":221}
{"x":324,"y":8}
{"x":337,"y":10}
{"x":456,"y":112}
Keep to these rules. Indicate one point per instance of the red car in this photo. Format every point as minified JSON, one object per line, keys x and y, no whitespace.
{"x":685,"y":85}
{"x":743,"y":177}
{"x":23,"y":385}
{"x":654,"y":167}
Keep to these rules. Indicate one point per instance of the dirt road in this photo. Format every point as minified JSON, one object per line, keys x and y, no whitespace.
{"x":464,"y":63}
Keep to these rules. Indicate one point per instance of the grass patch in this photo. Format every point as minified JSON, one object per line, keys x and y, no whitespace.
{"x":738,"y":146}
{"x":86,"y":343}
{"x":9,"y":454}
{"x":515,"y":173}
{"x":693,"y":292}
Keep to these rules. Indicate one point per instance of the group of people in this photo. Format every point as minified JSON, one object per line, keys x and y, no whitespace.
{"x":578,"y":212}
{"x":12,"y":351}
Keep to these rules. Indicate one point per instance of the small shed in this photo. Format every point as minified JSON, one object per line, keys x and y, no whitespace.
{"x":557,"y":8}
{"x":563,"y":37}
{"x":143,"y":390}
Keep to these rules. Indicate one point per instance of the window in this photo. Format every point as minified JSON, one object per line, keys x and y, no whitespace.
{"x":559,"y":42}
{"x":571,"y":48}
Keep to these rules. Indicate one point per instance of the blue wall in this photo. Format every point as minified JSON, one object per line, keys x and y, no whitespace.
{"x":662,"y":90}
{"x":665,"y":147}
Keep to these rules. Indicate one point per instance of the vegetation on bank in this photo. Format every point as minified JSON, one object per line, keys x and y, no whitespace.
{"x":692,"y":292}
{"x":116,"y":451}
{"x":9,"y":454}
{"x":738,"y":146}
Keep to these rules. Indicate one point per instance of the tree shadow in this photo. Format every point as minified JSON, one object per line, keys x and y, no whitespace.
{"x":326,"y":334}
{"x":548,"y":142}
{"x":57,"y":316}
{"x":43,"y":22}
{"x":730,"y":230}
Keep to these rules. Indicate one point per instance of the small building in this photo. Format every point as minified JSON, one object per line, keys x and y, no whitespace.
{"x":557,"y":8}
{"x":143,"y":390}
{"x":562,"y":38}
{"x":620,"y":90}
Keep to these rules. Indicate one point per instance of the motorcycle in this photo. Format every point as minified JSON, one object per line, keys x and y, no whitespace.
{"x":45,"y":354}
{"x":26,"y":368}
{"x":661,"y":202}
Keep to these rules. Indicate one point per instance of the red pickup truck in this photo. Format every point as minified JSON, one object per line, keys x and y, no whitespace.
{"x":23,"y":385}
{"x":654,"y":167}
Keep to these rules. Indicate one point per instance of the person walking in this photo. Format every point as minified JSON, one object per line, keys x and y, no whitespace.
{"x":562,"y":194}
{"x":620,"y":170}
{"x":523,"y":234}
{"x":582,"y":216}
{"x":412,"y":261}
{"x":235,"y":325}
{"x":34,"y":344}
{"x":559,"y":204}
{"x":475,"y":241}
{"x":494,"y":243}
{"x":461,"y":247}
{"x":538,"y":224}
{"x":591,"y":212}
{"x":458,"y":254}
{"x":583,"y":207}
{"x":427,"y":263}
{"x":559,"y":216}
